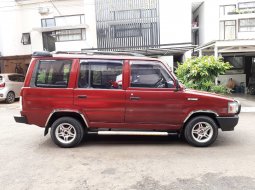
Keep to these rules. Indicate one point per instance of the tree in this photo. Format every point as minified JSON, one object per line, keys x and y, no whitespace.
{"x":200,"y":73}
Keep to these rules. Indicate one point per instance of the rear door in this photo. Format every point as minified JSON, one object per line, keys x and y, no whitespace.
{"x":99,"y":94}
{"x":50,"y":89}
{"x":152,"y":99}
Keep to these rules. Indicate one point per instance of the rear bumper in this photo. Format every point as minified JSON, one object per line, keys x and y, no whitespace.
{"x":227,"y":123}
{"x":21,"y":119}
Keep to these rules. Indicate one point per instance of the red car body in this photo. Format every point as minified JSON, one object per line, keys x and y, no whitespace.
{"x":128,"y":108}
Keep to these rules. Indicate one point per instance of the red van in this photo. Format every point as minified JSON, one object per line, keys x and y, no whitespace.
{"x":80,"y":94}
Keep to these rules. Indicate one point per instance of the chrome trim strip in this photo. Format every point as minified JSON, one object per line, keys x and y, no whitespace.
{"x":140,"y":133}
{"x":200,"y":111}
{"x":66,"y":110}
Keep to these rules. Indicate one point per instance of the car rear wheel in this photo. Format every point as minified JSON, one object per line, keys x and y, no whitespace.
{"x":201,"y":131}
{"x":10,"y":98}
{"x":67,"y":132}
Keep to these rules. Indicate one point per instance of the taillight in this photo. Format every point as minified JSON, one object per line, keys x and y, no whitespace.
{"x":20,"y":103}
{"x":2,"y":85}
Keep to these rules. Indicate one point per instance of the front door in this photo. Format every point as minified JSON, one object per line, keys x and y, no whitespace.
{"x":152,"y":99}
{"x":99,"y":94}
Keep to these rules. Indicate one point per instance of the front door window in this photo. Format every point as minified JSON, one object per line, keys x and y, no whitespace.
{"x":150,"y":75}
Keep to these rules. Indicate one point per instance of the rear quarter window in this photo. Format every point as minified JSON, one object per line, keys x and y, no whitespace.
{"x":13,"y":78}
{"x":51,"y":74}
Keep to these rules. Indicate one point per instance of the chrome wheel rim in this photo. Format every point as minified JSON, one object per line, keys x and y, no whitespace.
{"x":202,"y":132}
{"x":65,"y":133}
{"x":10,"y":97}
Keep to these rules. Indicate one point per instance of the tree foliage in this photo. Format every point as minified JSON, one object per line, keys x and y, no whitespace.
{"x":200,"y":73}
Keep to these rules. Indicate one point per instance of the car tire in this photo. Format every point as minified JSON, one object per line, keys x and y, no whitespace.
{"x":201,"y":131}
{"x":10,"y":98}
{"x":67,"y":132}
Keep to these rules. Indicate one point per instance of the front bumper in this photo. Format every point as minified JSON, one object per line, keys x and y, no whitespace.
{"x":21,"y":119}
{"x":227,"y":123}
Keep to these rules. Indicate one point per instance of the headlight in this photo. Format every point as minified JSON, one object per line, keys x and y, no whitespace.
{"x":233,"y":107}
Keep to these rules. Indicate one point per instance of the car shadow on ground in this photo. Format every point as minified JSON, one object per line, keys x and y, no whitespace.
{"x":3,"y":102}
{"x":131,"y":140}
{"x":116,"y":141}
{"x":94,"y":140}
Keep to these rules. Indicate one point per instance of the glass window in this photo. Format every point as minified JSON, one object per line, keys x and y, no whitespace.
{"x":63,"y":21}
{"x":127,"y":14}
{"x":25,"y":40}
{"x":103,"y":75}
{"x":1,"y":79}
{"x":69,"y":20}
{"x":237,"y":64}
{"x":53,"y":74}
{"x":247,"y":25}
{"x":227,"y":9}
{"x":247,"y":5}
{"x":20,"y":78}
{"x":70,"y":35}
{"x":48,"y":22}
{"x":13,"y":78}
{"x":150,"y":75}
{"x":228,"y":30}
{"x":127,"y":30}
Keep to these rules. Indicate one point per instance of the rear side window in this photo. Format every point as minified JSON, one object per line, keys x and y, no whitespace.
{"x":21,"y":78}
{"x":16,"y":78}
{"x":52,"y":74}
{"x":1,"y":78}
{"x":13,"y":78}
{"x":100,"y":74}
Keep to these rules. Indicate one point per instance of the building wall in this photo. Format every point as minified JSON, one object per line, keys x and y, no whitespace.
{"x":90,"y":20}
{"x":24,"y":17}
{"x":209,"y":20}
{"x":175,"y":21}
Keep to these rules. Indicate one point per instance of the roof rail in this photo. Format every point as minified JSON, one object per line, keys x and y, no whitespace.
{"x":41,"y":54}
{"x":116,"y":53}
{"x":100,"y":53}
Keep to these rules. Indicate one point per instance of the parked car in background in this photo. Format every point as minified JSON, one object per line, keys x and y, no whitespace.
{"x":10,"y":86}
{"x":76,"y":94}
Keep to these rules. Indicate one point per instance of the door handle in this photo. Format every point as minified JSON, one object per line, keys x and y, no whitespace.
{"x":82,"y":96}
{"x":134,"y":98}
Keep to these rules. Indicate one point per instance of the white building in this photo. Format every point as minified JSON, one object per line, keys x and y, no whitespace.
{"x":151,"y":27}
{"x":171,"y":30}
{"x":36,"y":25}
{"x":227,"y":29}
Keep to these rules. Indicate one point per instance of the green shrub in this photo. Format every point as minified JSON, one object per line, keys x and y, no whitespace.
{"x":200,"y":73}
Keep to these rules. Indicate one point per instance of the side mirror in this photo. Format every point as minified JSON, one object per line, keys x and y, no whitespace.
{"x":177,"y":85}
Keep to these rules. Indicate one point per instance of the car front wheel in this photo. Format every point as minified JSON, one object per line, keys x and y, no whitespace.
{"x":201,"y":131}
{"x":67,"y":132}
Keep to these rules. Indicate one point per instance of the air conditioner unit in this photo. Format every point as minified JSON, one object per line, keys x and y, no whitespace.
{"x":43,"y":10}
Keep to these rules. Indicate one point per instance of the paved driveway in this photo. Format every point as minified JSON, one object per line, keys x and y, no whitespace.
{"x":30,"y":161}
